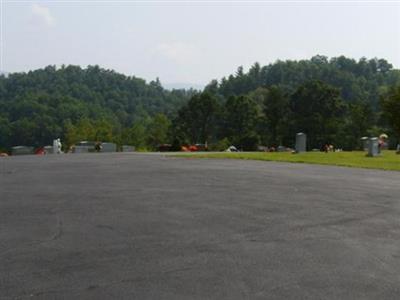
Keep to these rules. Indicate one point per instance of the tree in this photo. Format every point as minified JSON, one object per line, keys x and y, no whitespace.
{"x":241,"y":118}
{"x":24,"y":132}
{"x":157,"y":130}
{"x":196,"y":120}
{"x":255,"y":76}
{"x":276,"y":111}
{"x":212,"y":87}
{"x":5,"y":132}
{"x":318,"y":111}
{"x":360,"y":119}
{"x":135,"y":135}
{"x":82,"y":131}
{"x":391,"y":109}
{"x":104,"y":130}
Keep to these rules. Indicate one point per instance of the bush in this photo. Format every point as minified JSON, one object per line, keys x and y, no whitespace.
{"x":221,"y":145}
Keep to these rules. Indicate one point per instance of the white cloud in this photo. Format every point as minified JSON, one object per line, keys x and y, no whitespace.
{"x":178,"y":52}
{"x":42,"y":14}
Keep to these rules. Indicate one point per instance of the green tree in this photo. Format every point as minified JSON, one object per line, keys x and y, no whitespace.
{"x":360,"y":118}
{"x":241,"y":118}
{"x":276,"y":111}
{"x":24,"y":132}
{"x":5,"y":132}
{"x":103,"y":130}
{"x":391,"y":107}
{"x":157,"y":130}
{"x":317,"y":110}
{"x":136,"y":135}
{"x":196,"y":121}
{"x":82,"y":131}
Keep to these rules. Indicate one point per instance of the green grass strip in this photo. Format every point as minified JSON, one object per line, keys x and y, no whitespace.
{"x":389,"y":160}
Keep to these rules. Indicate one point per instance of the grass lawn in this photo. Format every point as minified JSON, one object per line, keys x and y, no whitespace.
{"x":389,"y":160}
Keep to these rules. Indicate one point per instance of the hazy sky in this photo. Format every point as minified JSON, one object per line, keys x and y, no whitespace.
{"x":192,"y":42}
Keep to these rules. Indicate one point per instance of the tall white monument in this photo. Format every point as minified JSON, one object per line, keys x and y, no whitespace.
{"x":57,"y":146}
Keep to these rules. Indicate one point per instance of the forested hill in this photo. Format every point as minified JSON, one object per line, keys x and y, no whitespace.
{"x":37,"y":106}
{"x":335,"y":100}
{"x":359,"y":81}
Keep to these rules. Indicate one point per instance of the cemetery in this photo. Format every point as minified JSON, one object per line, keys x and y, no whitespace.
{"x":372,"y":157}
{"x":373,"y":154}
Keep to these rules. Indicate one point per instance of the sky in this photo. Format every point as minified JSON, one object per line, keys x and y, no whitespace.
{"x":192,"y":42}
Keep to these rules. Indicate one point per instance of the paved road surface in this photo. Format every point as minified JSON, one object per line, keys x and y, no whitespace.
{"x":136,"y":226}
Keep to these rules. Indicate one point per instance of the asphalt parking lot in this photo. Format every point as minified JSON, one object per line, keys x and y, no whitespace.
{"x":139,"y":226}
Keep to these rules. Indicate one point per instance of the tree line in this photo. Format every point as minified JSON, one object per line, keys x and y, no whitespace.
{"x":334,"y":101}
{"x":272,"y":116}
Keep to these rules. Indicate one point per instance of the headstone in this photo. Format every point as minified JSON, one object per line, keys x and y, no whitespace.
{"x":127,"y":148}
{"x":301,"y":140}
{"x":84,"y":147}
{"x":108,"y":147}
{"x":281,"y":149}
{"x":364,"y":142}
{"x":398,"y":149}
{"x":48,"y":149}
{"x":55,"y":146}
{"x":373,"y":147}
{"x":21,"y":150}
{"x":81,"y":149}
